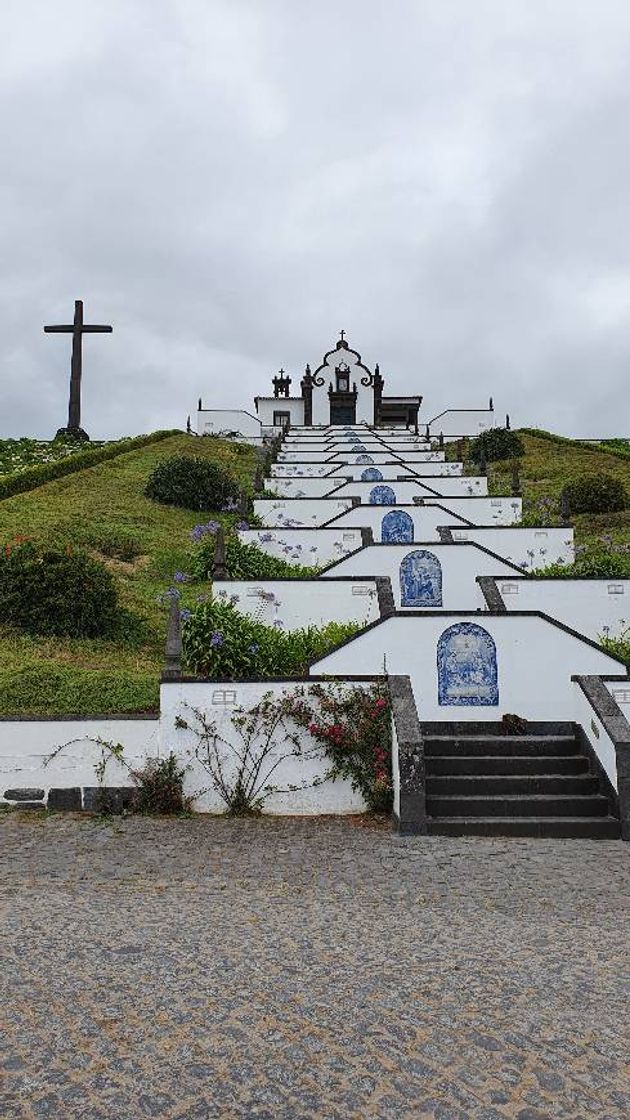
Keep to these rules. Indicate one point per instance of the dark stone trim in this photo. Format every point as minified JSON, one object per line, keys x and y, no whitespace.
{"x":367,"y":537}
{"x":221,"y":682}
{"x":26,"y":794}
{"x":386,"y":604}
{"x":445,"y":534}
{"x":491,"y":594}
{"x":74,"y":718}
{"x":617,"y":728}
{"x":412,"y":817}
{"x":173,"y":660}
{"x":68,"y":800}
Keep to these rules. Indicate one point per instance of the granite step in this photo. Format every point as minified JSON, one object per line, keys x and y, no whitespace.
{"x":447,"y":746}
{"x":506,"y":764}
{"x":474,"y":785}
{"x":588,"y":828}
{"x":518,"y":805}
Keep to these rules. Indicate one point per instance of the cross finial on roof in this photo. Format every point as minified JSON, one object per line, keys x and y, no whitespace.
{"x":342,"y":335}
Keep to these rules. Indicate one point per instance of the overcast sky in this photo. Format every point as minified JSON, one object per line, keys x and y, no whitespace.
{"x":229,"y":183}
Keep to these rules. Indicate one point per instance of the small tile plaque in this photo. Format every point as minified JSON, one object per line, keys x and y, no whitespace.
{"x":509,"y":588}
{"x":224,"y":697}
{"x":616,"y":589}
{"x":360,"y":590}
{"x":621,"y":695}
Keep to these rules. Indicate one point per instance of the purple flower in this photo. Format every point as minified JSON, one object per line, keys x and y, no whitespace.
{"x":216,"y":640}
{"x":181,"y":577}
{"x":242,"y":525}
{"x":254,"y":647}
{"x":184,"y":614}
{"x":278,"y":623}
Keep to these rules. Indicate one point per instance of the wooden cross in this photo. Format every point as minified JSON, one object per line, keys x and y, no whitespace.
{"x":77,"y":329}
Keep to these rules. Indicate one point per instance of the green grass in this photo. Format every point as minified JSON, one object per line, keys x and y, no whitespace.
{"x":550,"y":462}
{"x":104,"y":510}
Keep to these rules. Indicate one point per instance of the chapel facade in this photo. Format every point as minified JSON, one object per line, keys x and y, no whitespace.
{"x":341,"y":390}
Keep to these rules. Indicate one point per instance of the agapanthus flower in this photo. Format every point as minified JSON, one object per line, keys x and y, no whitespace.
{"x":217,"y":640}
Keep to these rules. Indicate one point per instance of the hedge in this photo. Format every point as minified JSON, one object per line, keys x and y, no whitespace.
{"x":33,"y":477}
{"x":602,"y":448}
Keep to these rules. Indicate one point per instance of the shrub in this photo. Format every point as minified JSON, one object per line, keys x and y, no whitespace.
{"x":66,"y":594}
{"x":497,"y":443}
{"x":247,"y":561}
{"x":160,"y":786}
{"x":598,"y":564}
{"x":192,"y":483}
{"x":23,"y":480}
{"x":220,"y":642}
{"x":595,"y":493}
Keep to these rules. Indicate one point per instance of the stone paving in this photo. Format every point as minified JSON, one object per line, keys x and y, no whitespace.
{"x":202,"y":968}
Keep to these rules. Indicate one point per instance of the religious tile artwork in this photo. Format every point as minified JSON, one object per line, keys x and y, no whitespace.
{"x":371,"y":474}
{"x":361,"y":448}
{"x":353,"y":439}
{"x":397,"y":527}
{"x":364,"y":459}
{"x":382,"y":496}
{"x":467,"y":667}
{"x":421,"y":580}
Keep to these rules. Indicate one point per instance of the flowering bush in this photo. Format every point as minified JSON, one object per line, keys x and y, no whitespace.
{"x":67,"y":594}
{"x":350,"y":726}
{"x":220,"y":642}
{"x":193,"y":483}
{"x":604,"y":560}
{"x":354,"y":726}
{"x":246,"y":561}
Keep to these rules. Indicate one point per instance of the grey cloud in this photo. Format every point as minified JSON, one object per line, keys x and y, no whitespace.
{"x":231,"y":183}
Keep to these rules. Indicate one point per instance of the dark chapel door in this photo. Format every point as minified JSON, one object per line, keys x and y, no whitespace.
{"x":343,"y":413}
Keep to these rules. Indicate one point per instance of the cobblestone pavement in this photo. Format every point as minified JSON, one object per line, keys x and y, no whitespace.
{"x":192,"y":969}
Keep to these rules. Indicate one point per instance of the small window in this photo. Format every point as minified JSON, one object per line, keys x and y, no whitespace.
{"x":281,"y":419}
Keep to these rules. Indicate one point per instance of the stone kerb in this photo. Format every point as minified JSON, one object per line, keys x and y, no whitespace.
{"x":607,"y":732}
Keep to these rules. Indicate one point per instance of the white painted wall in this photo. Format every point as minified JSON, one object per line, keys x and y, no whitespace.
{"x":391,"y":471}
{"x":220,"y":701}
{"x":406,"y":491}
{"x":588,"y":605}
{"x":309,"y":547}
{"x":291,"y":513}
{"x":462,"y":422}
{"x":596,"y":734}
{"x":266,"y":406}
{"x":527,"y":548}
{"x":461,"y":564}
{"x":300,"y":470}
{"x":483,"y":511}
{"x":426,"y":520}
{"x":295,"y":603}
{"x":535,"y":661}
{"x":217,"y":421}
{"x":303,"y":487}
{"x":25,"y":745}
{"x":305,"y":457}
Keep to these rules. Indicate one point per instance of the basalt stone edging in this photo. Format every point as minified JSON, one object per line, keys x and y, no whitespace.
{"x":617,"y":728}
{"x":491,"y":594}
{"x":73,"y":799}
{"x":411,"y":819}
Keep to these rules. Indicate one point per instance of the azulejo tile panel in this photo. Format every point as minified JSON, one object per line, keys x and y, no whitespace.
{"x":420,"y":580}
{"x":382,"y":496}
{"x":397,"y":527}
{"x":467,"y":667}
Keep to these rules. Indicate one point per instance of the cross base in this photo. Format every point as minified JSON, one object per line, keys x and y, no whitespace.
{"x":73,"y":433}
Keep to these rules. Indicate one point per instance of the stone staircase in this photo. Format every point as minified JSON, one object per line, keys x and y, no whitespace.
{"x":482,"y":782}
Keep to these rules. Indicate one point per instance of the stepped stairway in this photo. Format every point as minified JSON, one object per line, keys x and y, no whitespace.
{"x":482,"y":782}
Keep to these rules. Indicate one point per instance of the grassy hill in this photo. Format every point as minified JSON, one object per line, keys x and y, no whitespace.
{"x":103,"y":509}
{"x":548,"y":464}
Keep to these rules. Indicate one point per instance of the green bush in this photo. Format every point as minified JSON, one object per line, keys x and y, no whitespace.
{"x":595,"y":493}
{"x":497,"y":443}
{"x":247,"y":561}
{"x":66,"y":594}
{"x":219,"y":642}
{"x":33,"y":477}
{"x":193,"y":483}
